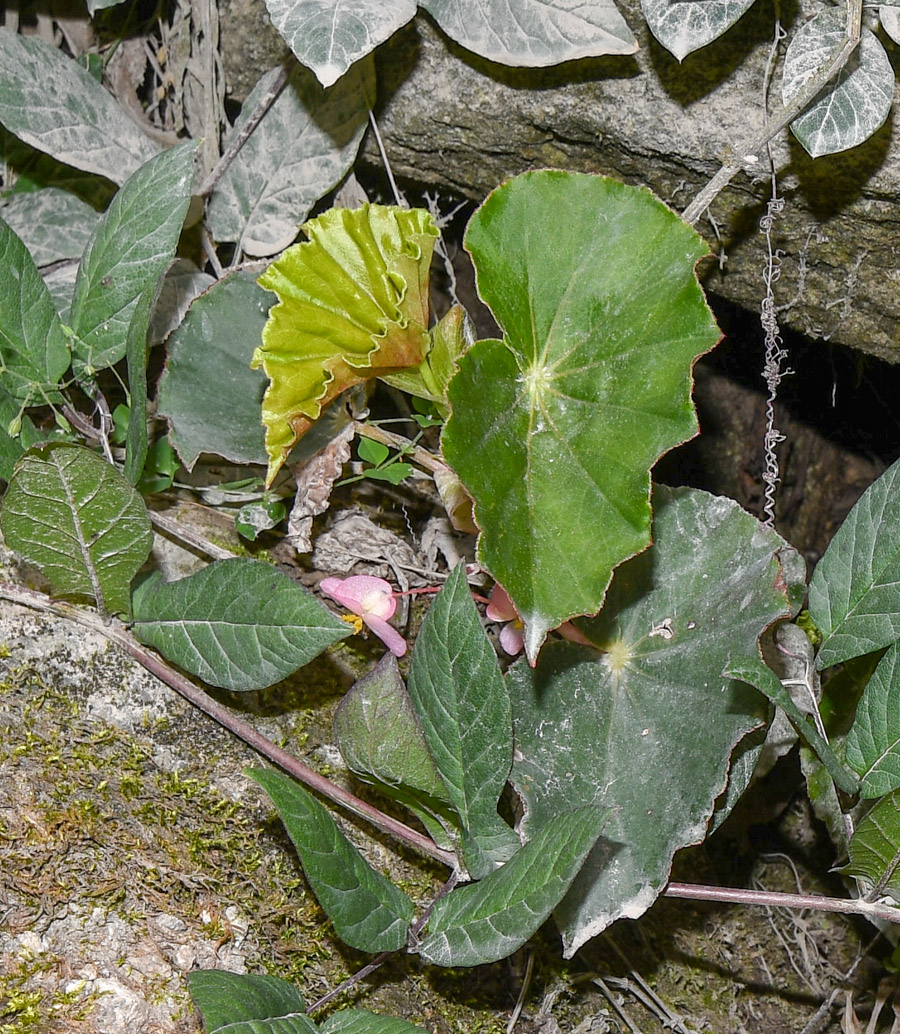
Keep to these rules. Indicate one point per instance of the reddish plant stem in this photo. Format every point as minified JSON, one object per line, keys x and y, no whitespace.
{"x":116,"y":633}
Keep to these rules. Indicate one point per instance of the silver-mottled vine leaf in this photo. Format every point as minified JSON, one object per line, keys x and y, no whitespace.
{"x":132,"y":246}
{"x":554,"y":429}
{"x":684,"y":26}
{"x":360,"y":1021}
{"x":854,"y":593}
{"x":239,"y":624}
{"x":329,"y":37}
{"x":461,"y":700}
{"x":534,"y":33}
{"x":52,"y":103}
{"x":858,"y":100}
{"x":303,"y":146}
{"x":53,"y":224}
{"x":368,"y":911}
{"x":645,"y":723}
{"x":381,"y":740}
{"x":73,"y":515}
{"x":247,"y":1003}
{"x":207,"y":391}
{"x":872,"y":747}
{"x":889,"y":16}
{"x":489,"y":920}
{"x":875,"y":847}
{"x":34,"y":353}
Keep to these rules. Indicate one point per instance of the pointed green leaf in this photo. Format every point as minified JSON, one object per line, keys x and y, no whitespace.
{"x":207,"y":391}
{"x":646,"y":724}
{"x":329,"y":37}
{"x":352,"y":304}
{"x":244,"y":1003}
{"x":489,"y":920}
{"x":73,"y":515}
{"x":381,"y":740}
{"x":461,"y":700}
{"x":53,"y":224}
{"x":368,"y":911}
{"x":359,"y":1021}
{"x":854,"y":593}
{"x":859,"y":99}
{"x":555,"y":428}
{"x":136,"y":352}
{"x":872,"y":747}
{"x":304,"y":145}
{"x":132,"y":247}
{"x":239,"y":624}
{"x":534,"y":33}
{"x":875,"y":847}
{"x":11,"y":448}
{"x":33,"y":348}
{"x":52,"y":103}
{"x":447,"y":341}
{"x":684,"y":26}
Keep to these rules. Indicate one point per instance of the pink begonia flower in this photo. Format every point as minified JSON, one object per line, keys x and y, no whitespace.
{"x":372,"y":600}
{"x":512,"y":634}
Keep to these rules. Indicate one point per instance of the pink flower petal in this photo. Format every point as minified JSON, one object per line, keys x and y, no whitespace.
{"x":387,"y":634}
{"x":574,"y":634}
{"x":512,"y":639}
{"x":362,"y":594}
{"x":501,"y":606}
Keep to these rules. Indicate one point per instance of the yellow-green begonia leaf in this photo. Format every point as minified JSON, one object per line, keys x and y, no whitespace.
{"x":352,"y":304}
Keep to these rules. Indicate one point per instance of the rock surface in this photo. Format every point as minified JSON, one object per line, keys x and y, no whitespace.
{"x":457,"y":123}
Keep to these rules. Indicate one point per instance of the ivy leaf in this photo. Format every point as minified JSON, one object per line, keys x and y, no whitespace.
{"x":208,"y":392}
{"x":875,"y":847}
{"x":239,"y":624}
{"x":52,"y":103}
{"x":368,"y":911}
{"x":685,"y":26}
{"x":460,"y":698}
{"x":244,"y":1003}
{"x":352,"y":304}
{"x":329,"y":38}
{"x":73,"y":515}
{"x":858,"y":100}
{"x":130,"y":249}
{"x":534,"y":33}
{"x":381,"y":740}
{"x":872,"y":747}
{"x":854,"y":593}
{"x":489,"y":920}
{"x":554,"y":429}
{"x":305,"y":143}
{"x":645,"y":723}
{"x":33,"y":348}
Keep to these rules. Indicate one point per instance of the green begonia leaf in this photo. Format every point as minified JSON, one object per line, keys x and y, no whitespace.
{"x":647,"y":725}
{"x":52,"y":103}
{"x":684,"y":26}
{"x":239,"y":624}
{"x":381,"y":740}
{"x":489,"y":920}
{"x":73,"y":515}
{"x":875,"y":847}
{"x":461,"y":700}
{"x":33,"y":350}
{"x":245,"y":1003}
{"x":368,"y":911}
{"x":872,"y":747}
{"x":130,"y":249}
{"x":353,"y":304}
{"x":207,"y":391}
{"x":854,"y":593}
{"x":304,"y":145}
{"x":858,"y":100}
{"x":53,"y":224}
{"x":554,"y":429}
